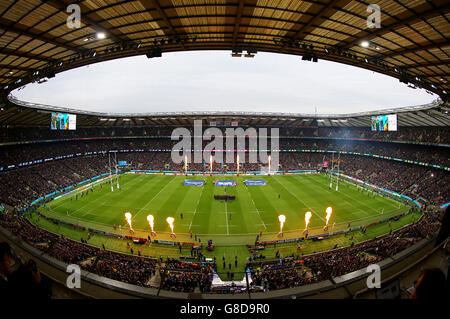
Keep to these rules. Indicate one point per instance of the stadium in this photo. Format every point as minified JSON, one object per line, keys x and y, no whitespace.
{"x":285,"y":205}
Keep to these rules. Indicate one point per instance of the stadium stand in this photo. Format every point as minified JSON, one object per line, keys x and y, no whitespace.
{"x":411,"y":45}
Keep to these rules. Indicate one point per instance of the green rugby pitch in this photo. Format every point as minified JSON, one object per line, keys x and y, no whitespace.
{"x":255,"y":209}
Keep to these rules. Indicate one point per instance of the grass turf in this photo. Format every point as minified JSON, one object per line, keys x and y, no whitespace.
{"x":255,"y":209}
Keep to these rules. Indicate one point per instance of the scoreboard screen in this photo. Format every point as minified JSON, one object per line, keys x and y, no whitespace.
{"x":384,"y":122}
{"x":63,"y":121}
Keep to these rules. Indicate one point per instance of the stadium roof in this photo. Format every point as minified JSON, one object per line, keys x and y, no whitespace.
{"x":411,"y":44}
{"x":22,"y":113}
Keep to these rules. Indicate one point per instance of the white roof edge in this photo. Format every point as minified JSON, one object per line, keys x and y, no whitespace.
{"x":45,"y":107}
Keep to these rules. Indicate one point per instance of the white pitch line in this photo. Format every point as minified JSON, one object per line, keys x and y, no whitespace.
{"x":360,"y":202}
{"x":257,"y":210}
{"x":301,"y":201}
{"x":153,"y":198}
{"x":65,"y":198}
{"x":87,"y":213}
{"x":195,"y":211}
{"x":329,"y":190}
{"x":226,"y":217}
{"x":101,"y":196}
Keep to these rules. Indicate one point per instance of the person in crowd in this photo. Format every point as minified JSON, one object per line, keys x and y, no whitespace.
{"x":5,"y":269}
{"x":431,"y":285}
{"x":25,"y":282}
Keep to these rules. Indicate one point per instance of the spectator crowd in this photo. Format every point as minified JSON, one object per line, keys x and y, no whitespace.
{"x":186,"y":276}
{"x":299,"y":270}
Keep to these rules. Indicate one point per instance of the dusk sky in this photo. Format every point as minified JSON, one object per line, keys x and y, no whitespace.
{"x":214,"y":81}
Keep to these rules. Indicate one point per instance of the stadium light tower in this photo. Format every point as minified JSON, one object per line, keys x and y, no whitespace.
{"x":210,"y":163}
{"x":337,"y":176}
{"x":110,"y":173}
{"x":117,"y":175}
{"x":331,"y":175}
{"x":270,"y":160}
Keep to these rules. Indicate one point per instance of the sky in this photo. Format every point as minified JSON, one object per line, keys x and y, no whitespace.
{"x":215,"y":81}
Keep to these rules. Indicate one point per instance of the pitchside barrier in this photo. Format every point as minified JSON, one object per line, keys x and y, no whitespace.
{"x":374,"y":188}
{"x":214,"y":173}
{"x":71,"y":189}
{"x":96,"y":286}
{"x":135,"y":239}
{"x":228,"y":240}
{"x":39,"y":161}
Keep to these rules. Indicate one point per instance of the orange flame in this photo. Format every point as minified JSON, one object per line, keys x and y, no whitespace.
{"x":307,"y":219}
{"x":282,"y":220}
{"x":151,"y":219}
{"x":128,"y":218}
{"x":170,"y":220}
{"x":329,"y":211}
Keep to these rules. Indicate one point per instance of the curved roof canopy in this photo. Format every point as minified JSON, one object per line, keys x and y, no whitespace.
{"x":411,"y":44}
{"x":21,"y":113}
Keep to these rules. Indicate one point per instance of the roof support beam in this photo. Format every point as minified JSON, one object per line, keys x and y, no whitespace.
{"x":9,"y":77}
{"x":414,"y":49}
{"x":14,"y":67}
{"x":364,"y":35}
{"x":238,"y":22}
{"x":154,"y":4}
{"x":426,"y":64}
{"x":430,"y":118}
{"x":61,"y":5}
{"x":20,"y":29}
{"x":436,"y":75}
{"x":27,"y":55}
{"x":326,"y":10}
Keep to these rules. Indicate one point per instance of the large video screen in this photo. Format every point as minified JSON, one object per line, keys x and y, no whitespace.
{"x":63,"y":121}
{"x":384,"y":122}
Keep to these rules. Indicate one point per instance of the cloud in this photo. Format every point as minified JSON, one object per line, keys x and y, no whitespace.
{"x":214,"y":81}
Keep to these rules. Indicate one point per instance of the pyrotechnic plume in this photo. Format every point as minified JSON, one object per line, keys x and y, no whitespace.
{"x":329,"y":211}
{"x":170,"y":220}
{"x":282,"y":220}
{"x":151,"y":220}
{"x":128,"y":218}
{"x":307,"y":219}
{"x":270,"y":162}
{"x":210,"y":163}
